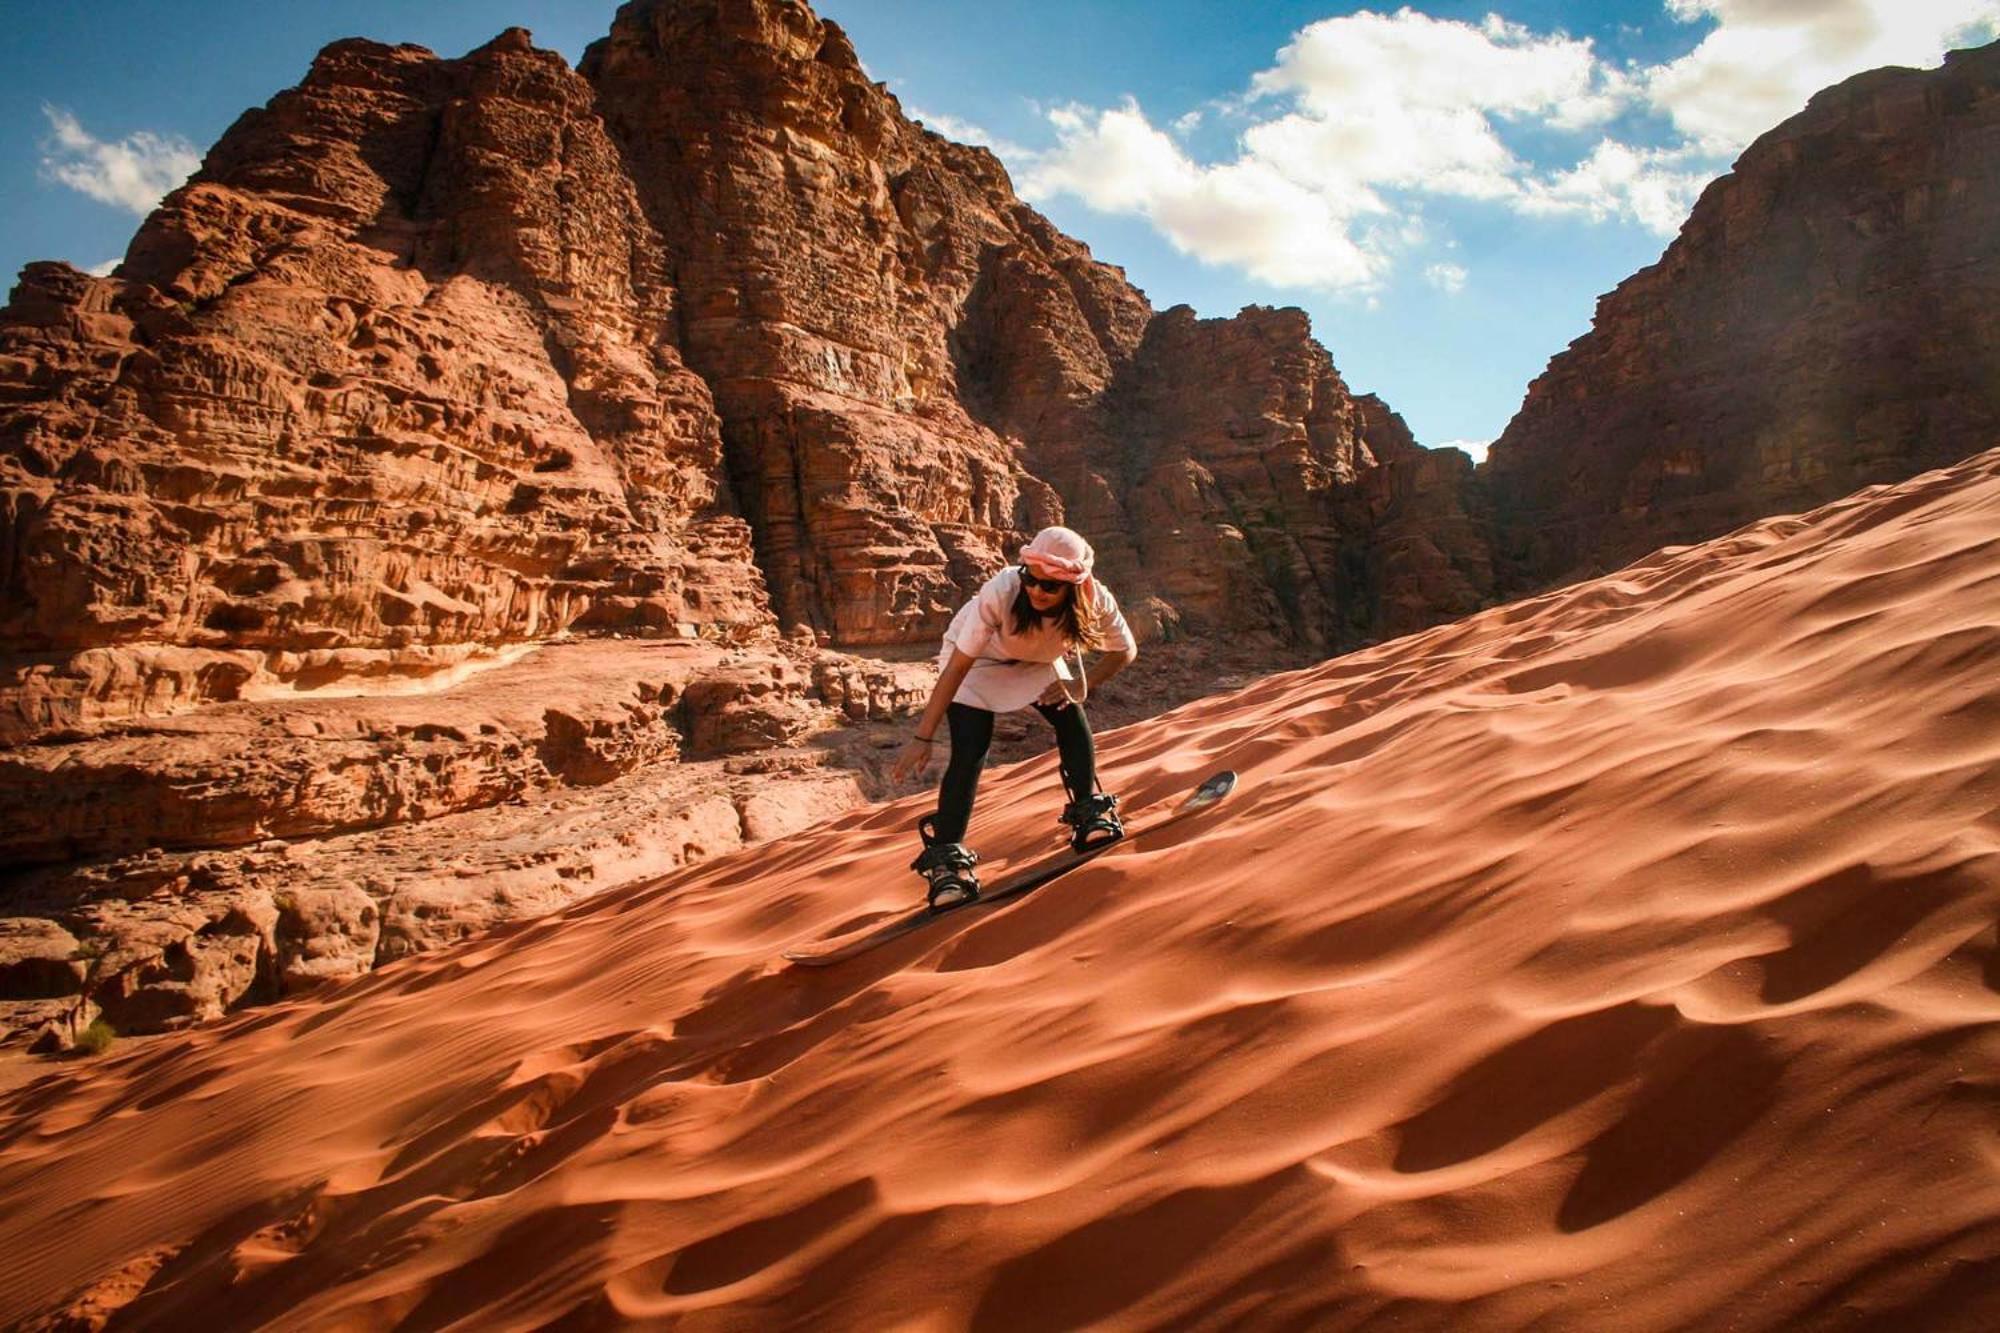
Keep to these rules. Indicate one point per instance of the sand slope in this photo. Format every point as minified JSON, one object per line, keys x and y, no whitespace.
{"x":1624,"y":958}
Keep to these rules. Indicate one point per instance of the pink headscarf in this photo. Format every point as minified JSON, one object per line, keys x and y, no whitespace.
{"x":1058,"y":553}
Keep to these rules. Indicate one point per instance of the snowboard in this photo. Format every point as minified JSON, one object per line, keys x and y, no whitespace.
{"x":839,"y":948}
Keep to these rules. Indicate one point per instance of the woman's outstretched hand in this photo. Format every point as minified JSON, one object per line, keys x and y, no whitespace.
{"x":915,"y":758}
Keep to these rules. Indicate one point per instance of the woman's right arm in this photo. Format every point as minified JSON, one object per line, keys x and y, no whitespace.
{"x":916,"y":756}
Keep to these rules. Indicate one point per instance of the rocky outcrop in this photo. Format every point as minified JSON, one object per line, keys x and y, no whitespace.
{"x":185,"y":867}
{"x":393,"y":380}
{"x":845,"y":278}
{"x":1829,"y":318}
{"x":576,"y":715}
{"x":1261,"y":493}
{"x":1431,"y":555}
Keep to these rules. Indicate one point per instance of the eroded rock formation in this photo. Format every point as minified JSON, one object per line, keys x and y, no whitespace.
{"x":1261,"y":494}
{"x":245,"y":850}
{"x":1829,"y":318}
{"x":390,"y":384}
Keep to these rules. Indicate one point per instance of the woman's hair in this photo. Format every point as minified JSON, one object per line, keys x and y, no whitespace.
{"x":1076,"y":630}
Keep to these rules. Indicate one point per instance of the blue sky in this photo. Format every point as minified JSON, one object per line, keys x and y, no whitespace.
{"x":1446,"y":188}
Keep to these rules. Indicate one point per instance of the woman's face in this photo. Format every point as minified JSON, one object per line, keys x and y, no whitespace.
{"x":1045,"y":599}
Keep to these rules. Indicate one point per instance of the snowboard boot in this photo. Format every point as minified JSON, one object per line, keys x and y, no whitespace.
{"x":1093,"y":822}
{"x":948,"y":867}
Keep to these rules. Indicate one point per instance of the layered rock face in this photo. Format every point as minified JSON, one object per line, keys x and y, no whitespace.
{"x":1259,"y":492}
{"x":823,"y":248}
{"x":391,"y":382}
{"x":1829,"y":318}
{"x":163,"y":873}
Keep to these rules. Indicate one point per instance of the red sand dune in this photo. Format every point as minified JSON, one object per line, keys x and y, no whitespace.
{"x":1621,"y":959}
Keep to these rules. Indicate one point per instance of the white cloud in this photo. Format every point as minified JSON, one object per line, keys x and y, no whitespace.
{"x":1447,"y":278}
{"x":103,"y":270}
{"x":1766,"y":57}
{"x":1407,"y":102}
{"x":1412,"y":64}
{"x":1115,"y":160}
{"x":1243,"y":213}
{"x":1654,"y":187}
{"x":1355,"y":110}
{"x":133,"y":173}
{"x":1362,"y":118}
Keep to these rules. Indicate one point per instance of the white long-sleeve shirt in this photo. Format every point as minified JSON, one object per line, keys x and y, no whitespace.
{"x":1010,"y":670}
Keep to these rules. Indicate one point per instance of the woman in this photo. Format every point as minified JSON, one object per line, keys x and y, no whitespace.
{"x":1006,"y":649}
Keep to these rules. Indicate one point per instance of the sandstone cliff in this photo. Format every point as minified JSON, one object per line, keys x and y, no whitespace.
{"x":390,"y":384}
{"x":1828,"y":318}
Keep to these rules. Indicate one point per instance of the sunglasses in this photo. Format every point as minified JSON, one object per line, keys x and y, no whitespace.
{"x":1046,"y":585}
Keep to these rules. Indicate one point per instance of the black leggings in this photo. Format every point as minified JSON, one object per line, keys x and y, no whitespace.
{"x":972,"y":736}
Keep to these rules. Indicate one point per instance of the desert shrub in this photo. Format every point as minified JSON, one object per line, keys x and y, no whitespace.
{"x":97,"y":1038}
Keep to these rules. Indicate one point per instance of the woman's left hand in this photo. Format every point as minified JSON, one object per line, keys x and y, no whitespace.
{"x":1055,"y":696}
{"x":911,"y":763}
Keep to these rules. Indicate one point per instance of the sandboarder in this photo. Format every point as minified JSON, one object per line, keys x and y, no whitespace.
{"x":1007,"y":648}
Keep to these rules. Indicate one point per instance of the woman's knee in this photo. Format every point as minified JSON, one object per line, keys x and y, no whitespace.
{"x":1070,"y":723}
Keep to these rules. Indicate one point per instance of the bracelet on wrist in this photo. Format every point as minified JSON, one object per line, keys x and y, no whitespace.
{"x":926,"y":740}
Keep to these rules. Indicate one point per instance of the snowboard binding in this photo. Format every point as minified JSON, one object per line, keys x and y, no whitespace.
{"x":1093,"y":822}
{"x":948,"y":867}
